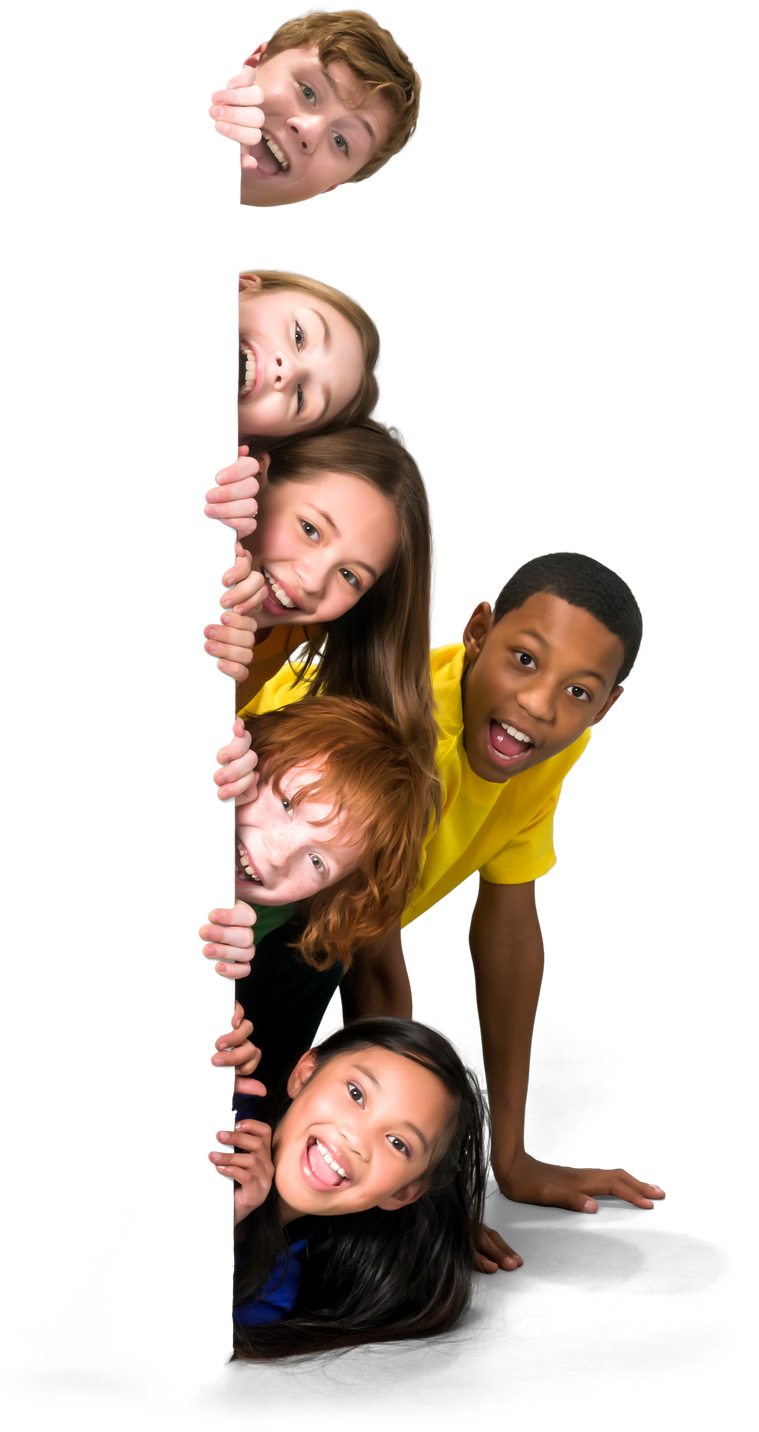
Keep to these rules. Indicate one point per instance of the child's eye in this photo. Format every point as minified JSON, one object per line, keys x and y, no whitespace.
{"x":317,"y":863}
{"x":287,"y":804}
{"x":579,"y":693}
{"x":298,"y":336}
{"x":398,"y":1144}
{"x":308,"y":93}
{"x":349,"y":577}
{"x":355,"y":1093}
{"x":341,"y":143}
{"x":301,"y":399}
{"x":309,"y":529}
{"x":524,"y":658}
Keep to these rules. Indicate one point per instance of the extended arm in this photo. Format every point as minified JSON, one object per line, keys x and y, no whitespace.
{"x":377,"y":981}
{"x":507,"y":953}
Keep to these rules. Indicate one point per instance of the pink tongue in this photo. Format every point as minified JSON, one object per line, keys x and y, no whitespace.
{"x":506,"y":744}
{"x":265,"y":161}
{"x":323,"y":1172}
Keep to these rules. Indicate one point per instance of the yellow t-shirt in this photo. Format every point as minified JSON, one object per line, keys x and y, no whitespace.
{"x":503,"y":830}
{"x":269,"y":655}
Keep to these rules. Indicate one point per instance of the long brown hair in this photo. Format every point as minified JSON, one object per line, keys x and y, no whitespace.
{"x":379,"y":650}
{"x":367,"y":393}
{"x":374,"y":782}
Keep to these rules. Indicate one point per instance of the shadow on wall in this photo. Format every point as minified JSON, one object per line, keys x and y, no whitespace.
{"x":47,"y":900}
{"x":40,"y":151}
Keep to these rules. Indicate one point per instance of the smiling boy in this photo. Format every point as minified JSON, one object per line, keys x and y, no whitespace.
{"x":515,"y":703}
{"x":327,"y":101}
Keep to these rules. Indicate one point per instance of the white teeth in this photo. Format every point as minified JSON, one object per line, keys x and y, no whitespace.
{"x":244,"y":863}
{"x":278,"y":591}
{"x":326,"y":1155}
{"x":275,"y":149}
{"x":518,"y":735}
{"x":250,"y":372}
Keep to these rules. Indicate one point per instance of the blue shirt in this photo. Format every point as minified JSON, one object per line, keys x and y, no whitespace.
{"x":278,"y":1295}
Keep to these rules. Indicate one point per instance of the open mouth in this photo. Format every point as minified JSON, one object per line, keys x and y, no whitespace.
{"x":278,"y":597}
{"x":508,"y":742}
{"x":244,"y":868}
{"x":251,"y":373}
{"x":269,"y":158}
{"x":323,"y":1167}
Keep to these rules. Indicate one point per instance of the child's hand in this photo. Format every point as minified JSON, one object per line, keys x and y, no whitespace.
{"x":233,"y":641}
{"x":237,"y":111}
{"x":530,"y":1181}
{"x":244,"y":1057}
{"x":235,"y":1048}
{"x":237,"y":776}
{"x":251,"y":1168}
{"x":231,"y":934}
{"x":492,"y":1253}
{"x":233,"y":502}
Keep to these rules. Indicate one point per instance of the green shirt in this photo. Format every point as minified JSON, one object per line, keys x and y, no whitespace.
{"x":270,"y":917}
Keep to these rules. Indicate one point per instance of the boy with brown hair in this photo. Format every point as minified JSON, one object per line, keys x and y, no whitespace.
{"x":327,"y":101}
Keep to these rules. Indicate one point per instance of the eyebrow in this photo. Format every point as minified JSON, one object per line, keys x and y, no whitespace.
{"x":333,"y":86}
{"x":367,"y":1075}
{"x":366,"y":565}
{"x":324,"y":324}
{"x":543,"y":642}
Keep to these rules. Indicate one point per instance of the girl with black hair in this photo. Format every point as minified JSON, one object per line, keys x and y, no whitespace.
{"x":359,"y":1193}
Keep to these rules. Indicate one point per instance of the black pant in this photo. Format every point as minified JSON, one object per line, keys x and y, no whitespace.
{"x":286,"y":1000}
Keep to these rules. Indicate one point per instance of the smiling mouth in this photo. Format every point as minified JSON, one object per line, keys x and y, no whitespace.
{"x":244,"y":869}
{"x":278,"y":593}
{"x":325,"y":1169}
{"x":508,"y":742}
{"x":248,"y":371}
{"x":269,"y":157}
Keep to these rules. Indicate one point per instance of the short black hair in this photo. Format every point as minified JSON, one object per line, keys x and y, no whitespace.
{"x":585,"y":583}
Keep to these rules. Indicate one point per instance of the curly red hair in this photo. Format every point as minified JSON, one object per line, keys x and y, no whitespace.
{"x":378,"y":785}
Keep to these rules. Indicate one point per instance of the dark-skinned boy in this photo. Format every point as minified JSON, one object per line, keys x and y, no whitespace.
{"x":548,"y":664}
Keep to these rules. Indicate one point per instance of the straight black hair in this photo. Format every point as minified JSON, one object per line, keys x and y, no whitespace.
{"x":583,"y":582}
{"x":379,"y":1276}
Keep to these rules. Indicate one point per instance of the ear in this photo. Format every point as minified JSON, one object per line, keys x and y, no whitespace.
{"x":331,"y":187}
{"x":613,"y":696}
{"x":249,"y":282}
{"x":263,"y":459}
{"x":301,"y":1073}
{"x":255,"y":59}
{"x":477,"y":629}
{"x":408,"y":1194}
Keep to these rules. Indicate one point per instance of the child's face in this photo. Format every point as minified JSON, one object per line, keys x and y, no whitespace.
{"x":547,"y":670}
{"x":321,"y":544}
{"x":281,"y":853}
{"x":374,"y":1114}
{"x":324,"y":123}
{"x":300,"y":362}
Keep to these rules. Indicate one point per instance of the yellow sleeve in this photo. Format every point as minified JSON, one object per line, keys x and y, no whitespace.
{"x":268,"y":658}
{"x":530,"y":854}
{"x":280,"y":690}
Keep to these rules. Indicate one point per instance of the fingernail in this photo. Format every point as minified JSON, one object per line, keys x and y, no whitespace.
{"x":655,"y":1186}
{"x":224,"y":1137}
{"x":239,"y":1126}
{"x":222,"y":1168}
{"x":218,"y":1059}
{"x":589,"y":1206}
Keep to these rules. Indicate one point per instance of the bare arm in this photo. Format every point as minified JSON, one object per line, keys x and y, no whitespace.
{"x":507,"y":952}
{"x":377,"y":981}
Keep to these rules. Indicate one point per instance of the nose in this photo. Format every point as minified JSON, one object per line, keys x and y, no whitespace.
{"x":277,"y":846}
{"x":312,"y":572}
{"x":305,"y":130}
{"x":288,"y":370}
{"x":537,"y":699}
{"x":350,"y":1134}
